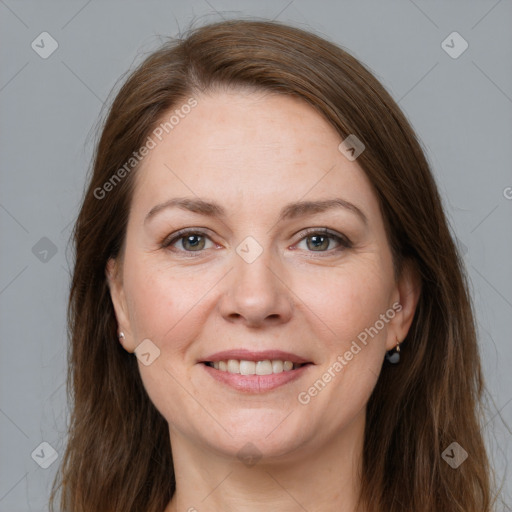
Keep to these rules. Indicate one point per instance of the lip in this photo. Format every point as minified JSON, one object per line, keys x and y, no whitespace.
{"x":249,"y":355}
{"x":255,"y":383}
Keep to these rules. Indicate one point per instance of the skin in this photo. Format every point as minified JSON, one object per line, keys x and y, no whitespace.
{"x":252,"y":153}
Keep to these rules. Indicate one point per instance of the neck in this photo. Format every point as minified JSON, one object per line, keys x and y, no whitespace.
{"x":325,"y":477}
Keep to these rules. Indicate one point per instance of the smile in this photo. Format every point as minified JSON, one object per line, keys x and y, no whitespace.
{"x":255,"y":372}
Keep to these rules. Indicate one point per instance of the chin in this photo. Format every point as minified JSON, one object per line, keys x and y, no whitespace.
{"x":270,"y":435}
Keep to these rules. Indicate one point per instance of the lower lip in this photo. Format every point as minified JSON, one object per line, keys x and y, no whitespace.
{"x":256,"y":383}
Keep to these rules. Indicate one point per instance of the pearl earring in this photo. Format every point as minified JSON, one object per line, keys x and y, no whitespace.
{"x":393,"y":356}
{"x":121,"y":336}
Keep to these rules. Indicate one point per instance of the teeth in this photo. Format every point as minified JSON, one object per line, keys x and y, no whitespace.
{"x":233,"y":366}
{"x":243,"y":367}
{"x":247,"y":367}
{"x":277,"y":366}
{"x":264,"y":367}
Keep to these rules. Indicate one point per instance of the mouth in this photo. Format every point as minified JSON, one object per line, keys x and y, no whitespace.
{"x":255,"y":371}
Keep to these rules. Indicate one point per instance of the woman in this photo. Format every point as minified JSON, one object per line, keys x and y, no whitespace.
{"x":267,"y":310}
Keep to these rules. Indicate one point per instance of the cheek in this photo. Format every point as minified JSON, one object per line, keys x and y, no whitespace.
{"x":153,"y":302}
{"x":338,"y":305}
{"x":171,"y":307}
{"x":160,"y":299}
{"x":166,"y":307}
{"x":344,"y":301}
{"x":347,"y":309}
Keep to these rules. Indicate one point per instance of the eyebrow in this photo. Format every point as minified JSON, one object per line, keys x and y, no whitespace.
{"x":289,"y":211}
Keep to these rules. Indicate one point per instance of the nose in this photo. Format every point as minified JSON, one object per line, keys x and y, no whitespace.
{"x":256,"y":294}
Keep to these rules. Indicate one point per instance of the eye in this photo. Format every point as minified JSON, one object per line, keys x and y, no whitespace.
{"x":323,"y":240}
{"x":187,"y":241}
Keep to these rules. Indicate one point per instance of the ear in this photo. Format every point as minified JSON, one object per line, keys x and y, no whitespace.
{"x":114,"y":274}
{"x":406,"y":296}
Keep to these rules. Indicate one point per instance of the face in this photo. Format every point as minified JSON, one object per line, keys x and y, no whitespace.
{"x":257,"y":270}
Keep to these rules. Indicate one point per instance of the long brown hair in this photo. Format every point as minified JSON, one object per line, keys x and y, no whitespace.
{"x":118,"y":455}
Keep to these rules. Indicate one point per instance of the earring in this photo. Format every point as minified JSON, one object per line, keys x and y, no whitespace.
{"x":121,"y":336}
{"x":393,"y":356}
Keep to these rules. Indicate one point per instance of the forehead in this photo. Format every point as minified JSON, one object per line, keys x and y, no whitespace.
{"x":250,"y":148}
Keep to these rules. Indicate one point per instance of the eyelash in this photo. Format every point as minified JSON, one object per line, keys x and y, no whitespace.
{"x":343,"y":241}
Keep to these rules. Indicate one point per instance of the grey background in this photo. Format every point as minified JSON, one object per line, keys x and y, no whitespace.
{"x":461,"y":109}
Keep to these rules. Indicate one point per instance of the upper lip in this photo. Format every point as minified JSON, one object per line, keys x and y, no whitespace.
{"x":249,"y":355}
